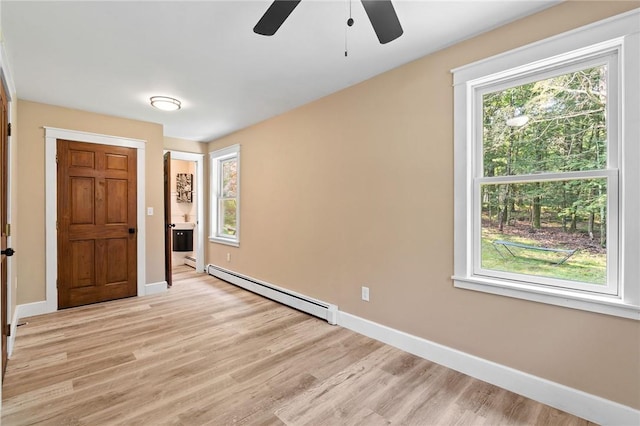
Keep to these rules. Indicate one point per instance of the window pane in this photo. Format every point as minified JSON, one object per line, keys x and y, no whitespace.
{"x":552,"y":125}
{"x":547,"y":229}
{"x":229,"y":178}
{"x":228,"y":212}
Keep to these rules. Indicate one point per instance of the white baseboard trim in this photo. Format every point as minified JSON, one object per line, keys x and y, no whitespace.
{"x":155,"y":288}
{"x":14,"y":330}
{"x":576,"y":402}
{"x":32,"y":309}
{"x":43,"y":307}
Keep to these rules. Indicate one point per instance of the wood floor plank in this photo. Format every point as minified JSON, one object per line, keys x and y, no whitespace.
{"x":207,"y":352}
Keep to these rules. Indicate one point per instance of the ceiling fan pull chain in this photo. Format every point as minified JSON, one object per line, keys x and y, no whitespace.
{"x":349,"y":23}
{"x":345,"y":43}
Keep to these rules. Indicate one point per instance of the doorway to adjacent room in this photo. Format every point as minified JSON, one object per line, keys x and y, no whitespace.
{"x":184,"y":212}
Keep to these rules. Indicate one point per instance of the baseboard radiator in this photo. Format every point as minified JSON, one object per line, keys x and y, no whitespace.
{"x":314,"y":307}
{"x":190,"y":261}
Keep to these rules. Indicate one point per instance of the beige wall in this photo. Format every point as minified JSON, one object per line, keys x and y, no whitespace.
{"x":183,"y":212}
{"x":30,"y":195}
{"x":357,"y":189}
{"x":184,"y":145}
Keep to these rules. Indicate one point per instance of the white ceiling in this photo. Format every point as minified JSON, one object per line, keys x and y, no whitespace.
{"x":110,"y":57}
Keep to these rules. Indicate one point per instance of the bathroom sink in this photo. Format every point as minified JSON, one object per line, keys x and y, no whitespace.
{"x":185,"y":225}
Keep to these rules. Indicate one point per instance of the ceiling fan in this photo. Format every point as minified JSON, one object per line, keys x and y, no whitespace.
{"x":380,"y":12}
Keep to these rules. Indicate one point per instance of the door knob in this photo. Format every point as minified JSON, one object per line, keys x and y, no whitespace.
{"x":132,"y":230}
{"x":171,"y":225}
{"x":8,"y":252}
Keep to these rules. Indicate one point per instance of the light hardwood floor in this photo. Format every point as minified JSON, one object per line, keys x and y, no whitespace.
{"x":207,"y":352}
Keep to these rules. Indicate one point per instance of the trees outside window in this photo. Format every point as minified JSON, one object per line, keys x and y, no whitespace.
{"x":551,"y":135}
{"x":225,"y":195}
{"x":228,"y":207}
{"x":546,"y":170}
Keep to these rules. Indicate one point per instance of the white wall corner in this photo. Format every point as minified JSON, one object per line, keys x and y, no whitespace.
{"x":155,"y":288}
{"x":33,"y":309}
{"x":573,"y":401}
{"x":12,"y":334}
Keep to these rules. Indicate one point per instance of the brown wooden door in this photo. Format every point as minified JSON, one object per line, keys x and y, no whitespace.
{"x":168,"y":226}
{"x":97,"y":248}
{"x":4,"y":163}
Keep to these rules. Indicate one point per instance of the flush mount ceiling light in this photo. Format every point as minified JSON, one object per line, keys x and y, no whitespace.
{"x":165,"y":103}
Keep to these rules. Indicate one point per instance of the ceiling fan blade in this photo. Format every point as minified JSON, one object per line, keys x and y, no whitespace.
{"x":383,"y":19}
{"x":273,"y":18}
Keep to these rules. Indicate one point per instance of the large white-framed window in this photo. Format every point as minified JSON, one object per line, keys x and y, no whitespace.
{"x":546,"y":170}
{"x":225,"y":195}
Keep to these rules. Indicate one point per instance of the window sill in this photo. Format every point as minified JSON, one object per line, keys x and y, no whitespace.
{"x":568,"y":299}
{"x":226,"y":241}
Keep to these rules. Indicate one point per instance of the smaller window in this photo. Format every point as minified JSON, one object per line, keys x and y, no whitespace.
{"x":225,"y":196}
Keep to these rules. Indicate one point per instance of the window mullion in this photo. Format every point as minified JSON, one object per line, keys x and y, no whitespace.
{"x":549,"y":177}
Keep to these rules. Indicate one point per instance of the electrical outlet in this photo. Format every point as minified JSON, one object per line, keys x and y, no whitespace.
{"x":228,"y":257}
{"x":365,"y":294}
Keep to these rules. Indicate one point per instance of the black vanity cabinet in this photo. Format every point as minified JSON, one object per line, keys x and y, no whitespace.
{"x":183,"y":240}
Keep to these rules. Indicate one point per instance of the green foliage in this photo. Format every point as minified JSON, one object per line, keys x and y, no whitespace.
{"x":230,"y":217}
{"x":229,"y":196}
{"x":565,"y":132}
{"x":230,"y":178}
{"x":582,"y":266}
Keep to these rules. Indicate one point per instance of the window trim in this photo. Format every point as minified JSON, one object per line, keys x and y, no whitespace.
{"x":619,"y":33}
{"x":215,"y":159}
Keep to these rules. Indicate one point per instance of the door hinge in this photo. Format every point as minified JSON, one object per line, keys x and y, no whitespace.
{"x":7,"y":230}
{"x":8,"y":330}
{"x":8,"y":129}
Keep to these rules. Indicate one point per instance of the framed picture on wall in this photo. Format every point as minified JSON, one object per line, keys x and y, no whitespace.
{"x":183,"y":187}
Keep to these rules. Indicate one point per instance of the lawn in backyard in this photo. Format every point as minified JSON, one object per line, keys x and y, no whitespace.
{"x":584,"y":265}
